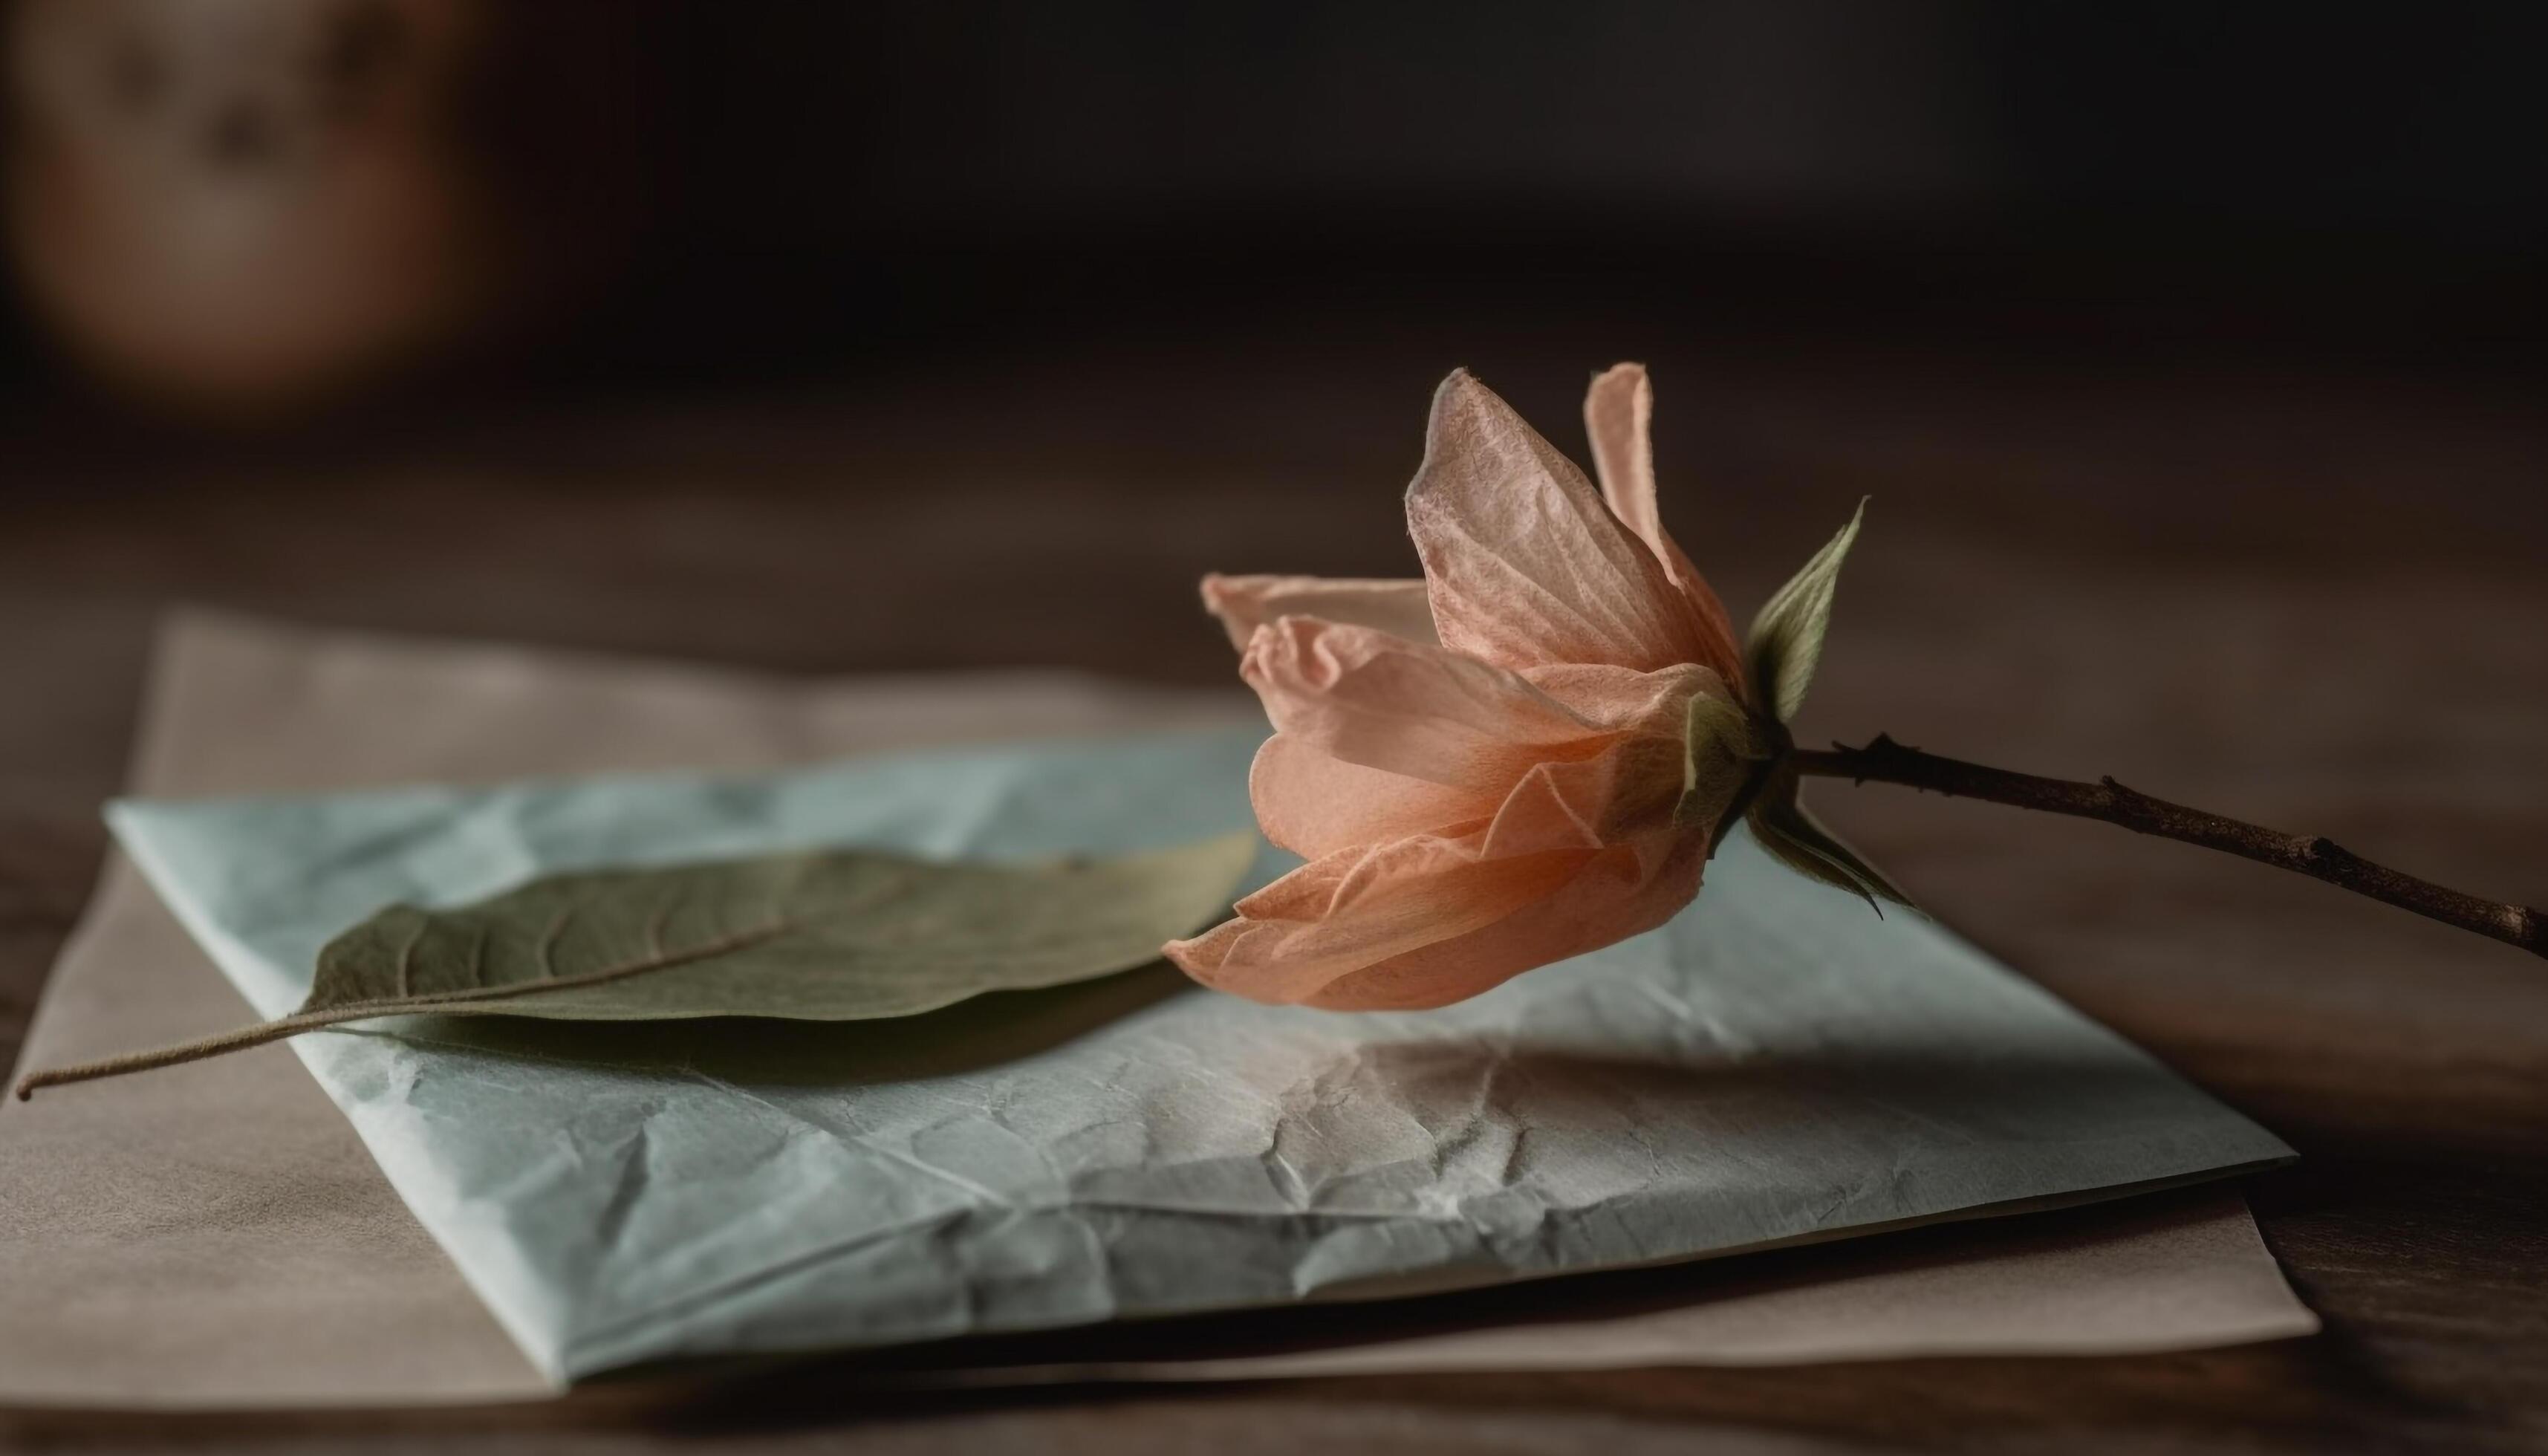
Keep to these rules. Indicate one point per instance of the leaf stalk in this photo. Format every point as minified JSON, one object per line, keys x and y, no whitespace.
{"x":309,"y":1021}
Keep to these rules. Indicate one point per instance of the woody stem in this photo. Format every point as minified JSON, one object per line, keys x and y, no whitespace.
{"x":1884,"y":761}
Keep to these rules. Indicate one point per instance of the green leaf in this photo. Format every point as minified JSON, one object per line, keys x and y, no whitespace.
{"x":837,"y":936}
{"x":842,"y":935}
{"x":1788,"y":636}
{"x":1798,"y":841}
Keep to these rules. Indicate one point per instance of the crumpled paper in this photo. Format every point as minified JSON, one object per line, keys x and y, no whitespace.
{"x":1775,"y":1065}
{"x":2163,"y":1271}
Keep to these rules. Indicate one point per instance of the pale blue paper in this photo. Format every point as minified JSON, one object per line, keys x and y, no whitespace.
{"x":1777,"y":1064}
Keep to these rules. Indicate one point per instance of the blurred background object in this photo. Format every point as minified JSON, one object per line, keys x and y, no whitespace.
{"x":278,"y":202}
{"x":248,"y":207}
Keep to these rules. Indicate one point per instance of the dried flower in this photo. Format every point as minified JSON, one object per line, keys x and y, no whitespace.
{"x":1522,"y":757}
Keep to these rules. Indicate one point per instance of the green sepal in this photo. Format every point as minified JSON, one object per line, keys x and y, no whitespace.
{"x":1795,"y":839}
{"x":1725,"y":749}
{"x":1788,"y":636}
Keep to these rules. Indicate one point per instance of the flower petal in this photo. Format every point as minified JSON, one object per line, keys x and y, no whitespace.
{"x":1524,"y":565}
{"x":1384,"y":703}
{"x":1610,"y":898}
{"x":1422,"y":923}
{"x":1618,"y":416}
{"x":1244,"y":603}
{"x":1625,"y":791}
{"x":1362,"y":907}
{"x":1313,"y":804}
{"x":1624,"y":701}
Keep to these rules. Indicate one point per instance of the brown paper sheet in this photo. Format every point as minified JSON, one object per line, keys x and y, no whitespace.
{"x":213,"y":1235}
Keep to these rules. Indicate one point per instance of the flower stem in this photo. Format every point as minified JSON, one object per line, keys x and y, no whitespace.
{"x":1885,"y":762}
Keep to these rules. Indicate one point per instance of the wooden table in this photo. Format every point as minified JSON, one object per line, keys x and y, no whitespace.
{"x":2309,"y":595}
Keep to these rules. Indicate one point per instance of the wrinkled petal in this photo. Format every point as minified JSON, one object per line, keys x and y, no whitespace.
{"x":1362,"y":907}
{"x":1626,"y":792}
{"x":1618,"y":416}
{"x":1625,"y":701}
{"x":1423,"y":924}
{"x":1385,"y":702}
{"x":1244,"y":603}
{"x":1313,"y":804}
{"x":1523,"y":563}
{"x":1610,"y":898}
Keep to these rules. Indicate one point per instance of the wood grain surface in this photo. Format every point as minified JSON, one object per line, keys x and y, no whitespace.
{"x":2311,"y":596}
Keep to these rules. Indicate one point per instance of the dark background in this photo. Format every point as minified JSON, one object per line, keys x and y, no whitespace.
{"x":810,"y":188}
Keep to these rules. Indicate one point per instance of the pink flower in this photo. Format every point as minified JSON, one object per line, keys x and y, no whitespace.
{"x":1487,"y":769}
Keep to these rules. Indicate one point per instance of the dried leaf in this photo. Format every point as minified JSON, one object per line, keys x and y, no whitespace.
{"x":842,"y":935}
